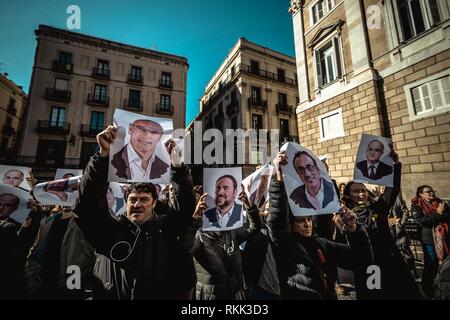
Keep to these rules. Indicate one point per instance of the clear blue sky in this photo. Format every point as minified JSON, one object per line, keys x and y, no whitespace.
{"x":203,"y":31}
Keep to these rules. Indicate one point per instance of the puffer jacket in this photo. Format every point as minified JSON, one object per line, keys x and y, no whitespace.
{"x":218,"y":261}
{"x":307,"y":266}
{"x":143,"y":260}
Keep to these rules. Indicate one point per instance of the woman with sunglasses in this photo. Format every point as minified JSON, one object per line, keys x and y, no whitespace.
{"x":433,"y":215}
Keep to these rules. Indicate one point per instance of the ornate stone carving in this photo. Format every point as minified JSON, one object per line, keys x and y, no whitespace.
{"x":296,"y":5}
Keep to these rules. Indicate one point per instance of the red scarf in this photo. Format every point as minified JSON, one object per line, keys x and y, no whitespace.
{"x":440,"y":232}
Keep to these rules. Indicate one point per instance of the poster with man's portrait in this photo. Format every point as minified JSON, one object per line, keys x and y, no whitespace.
{"x":67,"y":173}
{"x":257,"y":184}
{"x":13,"y":203}
{"x":15,"y":176}
{"x":224,"y":209}
{"x":138,"y":153}
{"x":61,"y":192}
{"x":373,"y":161}
{"x":115,"y":198}
{"x":309,"y":189}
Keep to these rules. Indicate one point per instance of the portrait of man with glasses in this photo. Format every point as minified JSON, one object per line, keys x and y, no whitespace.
{"x":316,"y":192}
{"x":137,"y":160}
{"x":372,"y":167}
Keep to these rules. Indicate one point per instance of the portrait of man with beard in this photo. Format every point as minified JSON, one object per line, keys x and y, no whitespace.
{"x":226,"y":213}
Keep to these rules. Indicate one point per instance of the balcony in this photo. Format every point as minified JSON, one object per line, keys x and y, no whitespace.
{"x":232,"y":108}
{"x":132,"y":104}
{"x":11,"y":109}
{"x":69,"y":163}
{"x":62,"y":67}
{"x":8,"y":130}
{"x":98,"y":101}
{"x":267,"y":75}
{"x":164,"y":109}
{"x":52,"y":127}
{"x":101,"y":73}
{"x":88,"y":130}
{"x":57,"y":95}
{"x":135,"y":79}
{"x":257,"y":104}
{"x":165,"y":84}
{"x":284,"y":109}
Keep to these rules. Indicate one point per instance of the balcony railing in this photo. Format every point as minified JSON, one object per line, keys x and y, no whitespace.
{"x":95,"y":100}
{"x":267,"y":75}
{"x":59,"y":66}
{"x":133,"y":104}
{"x":257,"y":103}
{"x":101,"y":73}
{"x":89,"y":130}
{"x":282,"y":108}
{"x":70,"y":163}
{"x":8,"y":130}
{"x":232,"y":108}
{"x":57,"y":95}
{"x":53,"y":127}
{"x":162,"y":109}
{"x":135,"y":78}
{"x":165,"y":84}
{"x":11,"y":110}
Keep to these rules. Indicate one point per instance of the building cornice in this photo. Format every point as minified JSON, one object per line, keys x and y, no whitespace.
{"x":296,"y":6}
{"x":45,"y":30}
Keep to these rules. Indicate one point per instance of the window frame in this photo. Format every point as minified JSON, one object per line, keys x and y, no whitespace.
{"x":58,"y":123}
{"x":165,"y":98}
{"x":335,"y":43}
{"x":413,"y":116}
{"x":341,"y":131}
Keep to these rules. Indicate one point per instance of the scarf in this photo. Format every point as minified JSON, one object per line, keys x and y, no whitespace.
{"x":440,"y":232}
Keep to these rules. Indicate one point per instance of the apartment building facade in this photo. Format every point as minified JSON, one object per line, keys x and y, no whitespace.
{"x":12,"y":107}
{"x":254,"y":88}
{"x":380,"y":68}
{"x":79,"y":80}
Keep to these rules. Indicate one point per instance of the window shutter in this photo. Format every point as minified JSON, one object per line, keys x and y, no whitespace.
{"x":337,"y":54}
{"x":319,"y":79}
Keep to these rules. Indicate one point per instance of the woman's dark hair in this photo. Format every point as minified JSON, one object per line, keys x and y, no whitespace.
{"x":146,"y":187}
{"x":346,"y":197}
{"x":420,"y":190}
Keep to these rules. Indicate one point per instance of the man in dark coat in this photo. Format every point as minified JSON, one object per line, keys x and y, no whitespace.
{"x":140,"y":250}
{"x":373,"y":168}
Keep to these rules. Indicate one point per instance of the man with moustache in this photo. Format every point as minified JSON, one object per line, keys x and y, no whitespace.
{"x":137,"y":160}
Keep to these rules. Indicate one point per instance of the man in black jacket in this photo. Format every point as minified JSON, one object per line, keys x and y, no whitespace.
{"x":142,"y":246}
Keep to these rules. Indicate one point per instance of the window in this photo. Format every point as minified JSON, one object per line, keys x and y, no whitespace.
{"x":429,"y":96}
{"x":232,"y":71}
{"x":100,"y":92}
{"x":12,"y":106}
{"x":65,"y":57}
{"x":282,"y":99}
{"x":328,"y":62}
{"x":257,"y":122}
{"x":254,"y":66}
{"x":57,"y":117}
{"x":331,"y":125}
{"x":88,"y":149}
{"x":281,"y":75}
{"x":97,"y":121}
{"x":233,"y":96}
{"x":166,"y":79}
{"x":256,"y":95}
{"x":165,"y":102}
{"x":61,"y":84}
{"x":284,"y":130}
{"x":416,"y":16}
{"x":102,"y":67}
{"x":134,"y":98}
{"x":320,"y":9}
{"x":136,"y":73}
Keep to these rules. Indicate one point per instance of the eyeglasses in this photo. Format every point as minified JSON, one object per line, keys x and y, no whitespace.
{"x":428,"y":191}
{"x":142,"y":130}
{"x":374,"y":150}
{"x":302,"y":170}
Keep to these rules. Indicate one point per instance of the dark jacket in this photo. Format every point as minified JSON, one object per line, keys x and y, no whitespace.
{"x":120,"y":163}
{"x":218,"y":262}
{"x":145,"y":257}
{"x":211,"y":216}
{"x":9,"y":265}
{"x":397,"y":282}
{"x":307,"y":266}
{"x":299,"y":195}
{"x":382,"y":170}
{"x":428,"y":221}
